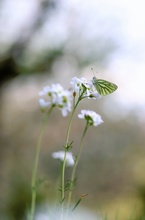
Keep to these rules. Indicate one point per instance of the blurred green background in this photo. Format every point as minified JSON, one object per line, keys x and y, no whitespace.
{"x":44,"y":42}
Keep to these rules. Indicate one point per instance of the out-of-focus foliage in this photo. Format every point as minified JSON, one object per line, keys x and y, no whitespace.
{"x":46,"y":35}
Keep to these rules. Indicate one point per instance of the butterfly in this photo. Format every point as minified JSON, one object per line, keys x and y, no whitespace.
{"x":103,"y":87}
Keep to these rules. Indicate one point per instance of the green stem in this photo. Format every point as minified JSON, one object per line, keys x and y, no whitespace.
{"x":34,"y":173}
{"x":75,"y":166}
{"x":66,"y":150}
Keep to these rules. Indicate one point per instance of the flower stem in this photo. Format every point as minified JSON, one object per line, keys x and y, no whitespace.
{"x":34,"y":173}
{"x":66,"y":150}
{"x":75,"y":166}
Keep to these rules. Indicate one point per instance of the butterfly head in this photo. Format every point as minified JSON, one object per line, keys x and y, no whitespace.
{"x":94,"y":80}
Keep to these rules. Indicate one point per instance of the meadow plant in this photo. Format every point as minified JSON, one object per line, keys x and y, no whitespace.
{"x":55,"y":96}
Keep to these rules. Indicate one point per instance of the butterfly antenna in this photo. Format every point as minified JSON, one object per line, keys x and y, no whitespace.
{"x":93,"y":71}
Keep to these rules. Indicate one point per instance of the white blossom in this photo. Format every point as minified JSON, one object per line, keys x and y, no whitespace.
{"x":83,"y":86}
{"x":77,"y":83}
{"x":43,"y":104}
{"x":60,"y":155}
{"x":91,"y":117}
{"x":58,"y":97}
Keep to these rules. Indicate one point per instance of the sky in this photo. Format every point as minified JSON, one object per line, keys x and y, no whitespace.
{"x":123,"y":20}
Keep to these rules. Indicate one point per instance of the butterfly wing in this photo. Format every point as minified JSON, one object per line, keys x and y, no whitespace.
{"x":104,"y":87}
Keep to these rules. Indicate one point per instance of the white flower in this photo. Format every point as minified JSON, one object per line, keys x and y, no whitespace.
{"x":46,"y":211}
{"x":91,"y":92}
{"x":43,"y":104}
{"x":83,"y":86}
{"x":58,"y":97}
{"x":77,"y":83}
{"x":60,"y":155}
{"x":51,"y":90}
{"x":91,"y":117}
{"x":63,"y":101}
{"x":45,"y":91}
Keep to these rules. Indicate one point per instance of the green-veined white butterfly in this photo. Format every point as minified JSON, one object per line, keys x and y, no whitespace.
{"x":103,"y":87}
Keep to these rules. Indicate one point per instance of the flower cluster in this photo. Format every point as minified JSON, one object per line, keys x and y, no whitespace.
{"x":91,"y":117}
{"x":58,"y":97}
{"x":84,"y":88}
